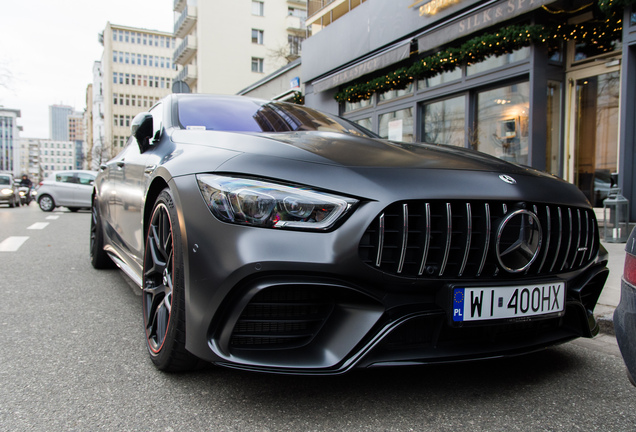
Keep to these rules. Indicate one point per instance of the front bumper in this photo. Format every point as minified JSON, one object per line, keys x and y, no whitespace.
{"x":305,"y":303}
{"x":625,"y":327}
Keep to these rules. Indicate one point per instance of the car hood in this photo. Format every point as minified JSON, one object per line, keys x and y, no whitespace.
{"x":366,"y":167}
{"x":347,"y":150}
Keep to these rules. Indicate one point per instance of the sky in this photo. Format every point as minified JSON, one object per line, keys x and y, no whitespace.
{"x":48,"y":47}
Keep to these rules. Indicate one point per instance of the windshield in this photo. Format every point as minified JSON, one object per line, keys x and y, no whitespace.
{"x":5,"y":180}
{"x":248,"y":115}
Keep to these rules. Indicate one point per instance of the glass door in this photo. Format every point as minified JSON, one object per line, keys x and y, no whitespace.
{"x":593,"y":125}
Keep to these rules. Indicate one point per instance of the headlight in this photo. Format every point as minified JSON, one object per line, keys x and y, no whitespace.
{"x":7,"y":191}
{"x":271,"y":205}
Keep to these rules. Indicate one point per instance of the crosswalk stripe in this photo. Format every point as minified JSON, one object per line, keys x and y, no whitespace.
{"x":12,"y":244}
{"x":38,"y":225}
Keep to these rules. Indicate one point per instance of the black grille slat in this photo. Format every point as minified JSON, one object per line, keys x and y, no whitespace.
{"x":440,"y":239}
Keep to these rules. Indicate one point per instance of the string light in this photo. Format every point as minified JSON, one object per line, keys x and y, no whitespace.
{"x":477,"y":49}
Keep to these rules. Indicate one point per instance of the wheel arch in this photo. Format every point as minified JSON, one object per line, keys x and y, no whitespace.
{"x":158,"y":184}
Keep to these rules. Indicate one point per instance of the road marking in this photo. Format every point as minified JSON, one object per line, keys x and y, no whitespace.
{"x":38,"y":225}
{"x":12,"y":244}
{"x":52,"y":217}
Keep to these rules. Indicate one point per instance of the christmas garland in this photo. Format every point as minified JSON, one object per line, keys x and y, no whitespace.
{"x":477,"y":49}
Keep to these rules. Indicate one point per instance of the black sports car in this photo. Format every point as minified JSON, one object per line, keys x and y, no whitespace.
{"x":269,"y":236}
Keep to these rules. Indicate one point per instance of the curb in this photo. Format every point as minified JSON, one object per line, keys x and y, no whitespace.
{"x":606,"y":324}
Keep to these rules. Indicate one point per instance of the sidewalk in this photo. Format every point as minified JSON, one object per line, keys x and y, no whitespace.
{"x":612,"y":291}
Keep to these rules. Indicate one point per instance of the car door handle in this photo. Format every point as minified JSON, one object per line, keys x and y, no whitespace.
{"x":149,"y":169}
{"x":103,"y":167}
{"x":121,"y":164}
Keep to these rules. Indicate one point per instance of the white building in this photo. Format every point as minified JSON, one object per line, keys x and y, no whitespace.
{"x":30,"y":158}
{"x":56,"y":156}
{"x":223,"y":47}
{"x":9,"y":137}
{"x":136,"y":71}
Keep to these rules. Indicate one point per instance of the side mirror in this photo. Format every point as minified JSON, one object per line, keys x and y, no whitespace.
{"x":141,"y":129}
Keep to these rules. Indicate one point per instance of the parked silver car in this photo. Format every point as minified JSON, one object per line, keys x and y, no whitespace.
{"x":71,"y":189}
{"x":8,"y":190}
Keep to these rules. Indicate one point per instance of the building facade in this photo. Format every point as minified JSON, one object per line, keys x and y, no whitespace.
{"x":56,"y":156}
{"x":58,"y":122}
{"x":223,"y":47}
{"x":540,"y":83}
{"x":30,"y":158}
{"x":136,"y":71}
{"x":9,"y":140}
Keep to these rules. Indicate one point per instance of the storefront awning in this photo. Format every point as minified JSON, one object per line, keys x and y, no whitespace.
{"x":380,"y":60}
{"x":476,"y":20}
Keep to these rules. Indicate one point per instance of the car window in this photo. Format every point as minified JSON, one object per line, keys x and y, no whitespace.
{"x":85,"y":179}
{"x":5,"y":180}
{"x":247,"y":115}
{"x":65,"y":178}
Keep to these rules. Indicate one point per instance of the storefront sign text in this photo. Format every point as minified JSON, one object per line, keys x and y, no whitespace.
{"x":434,"y":6}
{"x":499,"y":12}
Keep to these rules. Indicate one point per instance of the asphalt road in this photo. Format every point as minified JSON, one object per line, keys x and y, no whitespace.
{"x":72,"y":358}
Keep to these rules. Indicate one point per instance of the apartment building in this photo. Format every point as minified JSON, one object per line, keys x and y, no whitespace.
{"x":56,"y":156}
{"x":30,"y":158}
{"x":9,"y":135}
{"x":223,"y":47}
{"x":136,"y":70}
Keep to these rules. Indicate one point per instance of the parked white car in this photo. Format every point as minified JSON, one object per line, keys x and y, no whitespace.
{"x":71,"y":189}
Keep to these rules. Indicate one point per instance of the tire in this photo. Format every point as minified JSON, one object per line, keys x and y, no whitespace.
{"x":99,"y":257}
{"x":46,"y":203}
{"x":163,"y":297}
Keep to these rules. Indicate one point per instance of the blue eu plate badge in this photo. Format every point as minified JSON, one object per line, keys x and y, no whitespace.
{"x":458,"y":305}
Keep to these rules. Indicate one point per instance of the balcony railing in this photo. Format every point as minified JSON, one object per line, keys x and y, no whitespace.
{"x":295,"y":24}
{"x":186,"y":49}
{"x":185,"y":22}
{"x":188,"y":75}
{"x":179,"y":5}
{"x":314,"y":6}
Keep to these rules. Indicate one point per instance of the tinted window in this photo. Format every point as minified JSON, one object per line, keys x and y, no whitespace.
{"x":65,"y":178}
{"x":85,"y":179}
{"x":5,"y":180}
{"x":247,"y":115}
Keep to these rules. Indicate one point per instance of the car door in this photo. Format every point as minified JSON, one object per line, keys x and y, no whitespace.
{"x":83,"y":189}
{"x":63,"y":189}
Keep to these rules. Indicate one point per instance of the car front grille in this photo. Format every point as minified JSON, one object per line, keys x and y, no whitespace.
{"x":451,"y":239}
{"x":282,"y":318}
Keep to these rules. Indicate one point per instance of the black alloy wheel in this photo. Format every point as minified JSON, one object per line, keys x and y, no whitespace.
{"x":99,"y":257}
{"x":163,"y":295}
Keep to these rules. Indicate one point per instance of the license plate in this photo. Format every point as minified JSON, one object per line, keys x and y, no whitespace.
{"x":492,"y":303}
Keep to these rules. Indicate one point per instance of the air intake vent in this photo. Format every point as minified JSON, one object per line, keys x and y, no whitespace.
{"x":282,"y":317}
{"x":442,"y":240}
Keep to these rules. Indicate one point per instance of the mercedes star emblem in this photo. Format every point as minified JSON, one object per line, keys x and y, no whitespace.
{"x":518,"y":241}
{"x":506,"y":178}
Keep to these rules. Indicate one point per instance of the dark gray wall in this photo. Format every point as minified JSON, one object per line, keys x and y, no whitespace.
{"x":372,"y":25}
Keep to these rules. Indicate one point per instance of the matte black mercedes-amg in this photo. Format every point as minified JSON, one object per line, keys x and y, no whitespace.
{"x":268,"y":236}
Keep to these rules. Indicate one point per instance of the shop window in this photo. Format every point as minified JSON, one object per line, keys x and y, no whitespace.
{"x":352,"y":106}
{"x":498,"y":61}
{"x":394,"y":94}
{"x":366,"y":123}
{"x":632,"y":19}
{"x":502,"y":122}
{"x":443,"y":122}
{"x":397,"y":125}
{"x":553,"y":111}
{"x":438,"y":79}
{"x":596,"y":134}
